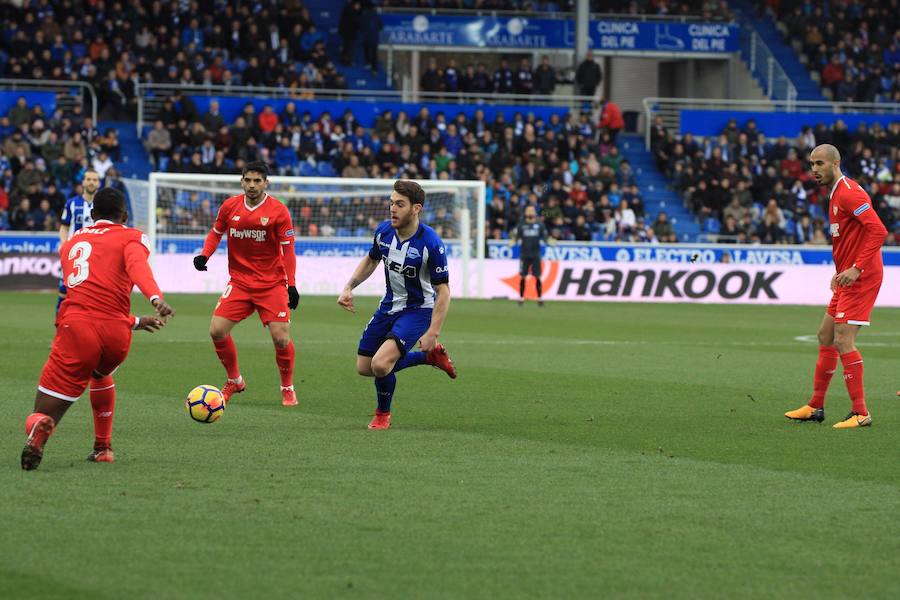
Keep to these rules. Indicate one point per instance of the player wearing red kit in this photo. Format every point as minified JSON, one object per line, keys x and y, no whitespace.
{"x":857,"y":236}
{"x":262,"y":266}
{"x":101,"y":264}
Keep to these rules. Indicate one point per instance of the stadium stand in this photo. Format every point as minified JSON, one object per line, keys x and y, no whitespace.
{"x":271,"y":44}
{"x":42,"y":162}
{"x":587,"y":183}
{"x":710,"y":10}
{"x":564,"y":165}
{"x":851,"y":49}
{"x":746,"y":188}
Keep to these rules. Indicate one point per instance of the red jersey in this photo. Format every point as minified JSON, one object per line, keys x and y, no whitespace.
{"x":256,"y":237}
{"x":101,"y":264}
{"x":856,"y":230}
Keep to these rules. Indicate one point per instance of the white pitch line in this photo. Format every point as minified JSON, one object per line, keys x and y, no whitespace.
{"x":557,"y":342}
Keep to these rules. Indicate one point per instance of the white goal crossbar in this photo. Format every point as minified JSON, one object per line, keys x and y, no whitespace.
{"x":465,"y":201}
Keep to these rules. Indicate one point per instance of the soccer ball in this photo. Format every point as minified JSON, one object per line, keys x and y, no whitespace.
{"x":205,"y":404}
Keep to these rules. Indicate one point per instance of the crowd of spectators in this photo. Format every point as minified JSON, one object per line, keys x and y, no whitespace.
{"x":747,"y":188}
{"x":566,"y":166}
{"x":115,"y":45}
{"x":854,"y":47}
{"x":43,"y":159}
{"x":475,"y":81}
{"x":511,"y":76}
{"x":707,"y":9}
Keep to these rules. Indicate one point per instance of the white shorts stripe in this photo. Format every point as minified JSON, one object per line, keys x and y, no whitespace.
{"x":44,"y":390}
{"x":849,"y":322}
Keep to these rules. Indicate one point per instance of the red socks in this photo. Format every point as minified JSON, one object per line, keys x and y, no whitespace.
{"x":32,"y":418}
{"x":285,"y":359}
{"x":825,"y":367}
{"x":853,"y":379}
{"x":227,"y":352}
{"x":103,"y":402}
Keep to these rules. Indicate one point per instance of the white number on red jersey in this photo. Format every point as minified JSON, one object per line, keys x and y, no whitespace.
{"x":79,"y":254}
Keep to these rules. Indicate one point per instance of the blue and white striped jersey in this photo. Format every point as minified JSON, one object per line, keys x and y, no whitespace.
{"x":411,"y":267}
{"x":76,"y":214}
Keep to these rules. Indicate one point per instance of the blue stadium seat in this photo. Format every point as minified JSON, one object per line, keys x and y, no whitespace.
{"x":307,"y":170}
{"x":326,"y":170}
{"x":712,"y":225}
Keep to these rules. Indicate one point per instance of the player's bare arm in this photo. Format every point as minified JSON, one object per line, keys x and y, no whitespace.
{"x":441,"y":305}
{"x":63,"y":233}
{"x":363,"y":271}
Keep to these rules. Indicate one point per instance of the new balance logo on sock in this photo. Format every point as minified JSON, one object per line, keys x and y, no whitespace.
{"x":105,"y":414}
{"x":282,"y":314}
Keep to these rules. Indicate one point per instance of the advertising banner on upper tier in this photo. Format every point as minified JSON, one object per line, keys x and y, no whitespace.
{"x":537,"y":33}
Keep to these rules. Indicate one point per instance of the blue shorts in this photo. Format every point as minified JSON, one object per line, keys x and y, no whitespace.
{"x":404,"y":327}
{"x":62,"y":288}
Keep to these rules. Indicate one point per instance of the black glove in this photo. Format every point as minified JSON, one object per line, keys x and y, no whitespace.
{"x":293,"y":297}
{"x":200,"y":262}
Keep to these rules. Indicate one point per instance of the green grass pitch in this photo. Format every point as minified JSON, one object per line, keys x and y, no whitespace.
{"x":586,"y":451}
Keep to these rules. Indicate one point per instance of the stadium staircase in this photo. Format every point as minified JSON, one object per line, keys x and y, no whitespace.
{"x":654,"y":188}
{"x":807,"y":89}
{"x":135,"y":161}
{"x":326,"y":14}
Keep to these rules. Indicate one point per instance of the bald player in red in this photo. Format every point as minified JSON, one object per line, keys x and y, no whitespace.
{"x":857,"y":236}
{"x":101,"y":264}
{"x":262,"y":265}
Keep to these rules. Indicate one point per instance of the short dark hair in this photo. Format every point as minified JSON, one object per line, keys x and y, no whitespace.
{"x":109,"y":203}
{"x":411,"y":190}
{"x":256,"y":166}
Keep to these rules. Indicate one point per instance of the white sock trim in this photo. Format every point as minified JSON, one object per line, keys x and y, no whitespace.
{"x":103,"y":388}
{"x":240,"y":379}
{"x":287,"y":388}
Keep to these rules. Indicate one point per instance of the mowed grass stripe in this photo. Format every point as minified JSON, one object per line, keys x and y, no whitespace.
{"x":545,"y":471}
{"x":536,"y":529}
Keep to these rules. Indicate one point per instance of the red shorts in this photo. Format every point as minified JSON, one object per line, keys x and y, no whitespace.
{"x":82,"y":347}
{"x":854,"y":304}
{"x":236,"y":304}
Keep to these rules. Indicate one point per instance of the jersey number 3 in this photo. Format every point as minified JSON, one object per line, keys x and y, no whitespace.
{"x":79,"y":254}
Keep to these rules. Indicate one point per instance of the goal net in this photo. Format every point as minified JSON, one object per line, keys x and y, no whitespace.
{"x":333,"y":217}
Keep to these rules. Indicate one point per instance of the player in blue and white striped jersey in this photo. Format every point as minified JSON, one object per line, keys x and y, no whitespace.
{"x":415,"y":303}
{"x":77,"y":214}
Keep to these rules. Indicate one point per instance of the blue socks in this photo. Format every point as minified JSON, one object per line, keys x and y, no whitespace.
{"x":384,"y":386}
{"x":411,"y":359}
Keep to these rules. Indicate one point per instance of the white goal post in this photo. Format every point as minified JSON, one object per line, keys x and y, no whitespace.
{"x":332,"y":216}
